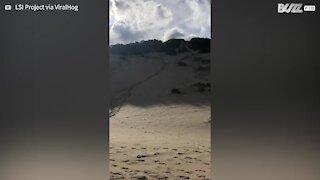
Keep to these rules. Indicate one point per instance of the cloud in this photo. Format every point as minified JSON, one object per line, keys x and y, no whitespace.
{"x":123,"y":33}
{"x":200,"y":18}
{"x":136,"y":20}
{"x":174,"y":33}
{"x":121,"y":5}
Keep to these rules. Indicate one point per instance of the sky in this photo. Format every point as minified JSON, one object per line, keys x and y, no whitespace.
{"x":137,"y":20}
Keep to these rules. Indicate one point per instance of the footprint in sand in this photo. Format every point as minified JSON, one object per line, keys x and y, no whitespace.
{"x":199,"y":170}
{"x":201,"y":176}
{"x":116,"y":178}
{"x":183,"y":177}
{"x":164,"y":177}
{"x":116,"y":173}
{"x":142,"y":156}
{"x":141,"y":177}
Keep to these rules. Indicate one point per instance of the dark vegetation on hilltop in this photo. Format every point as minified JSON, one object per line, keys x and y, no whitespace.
{"x":171,"y":47}
{"x":200,"y":44}
{"x":136,"y":48}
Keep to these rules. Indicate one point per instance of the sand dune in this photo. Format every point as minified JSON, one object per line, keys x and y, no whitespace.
{"x":157,"y":132}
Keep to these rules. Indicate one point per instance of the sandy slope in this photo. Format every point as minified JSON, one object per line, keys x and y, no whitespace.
{"x":155,"y":134}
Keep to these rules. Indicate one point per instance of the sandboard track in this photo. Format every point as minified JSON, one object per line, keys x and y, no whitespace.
{"x":124,"y":94}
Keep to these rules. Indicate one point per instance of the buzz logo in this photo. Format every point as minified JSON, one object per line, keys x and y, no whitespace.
{"x":294,"y":8}
{"x":289,"y":8}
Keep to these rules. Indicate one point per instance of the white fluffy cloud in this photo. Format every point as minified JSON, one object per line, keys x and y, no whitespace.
{"x":136,"y":20}
{"x":174,"y":33}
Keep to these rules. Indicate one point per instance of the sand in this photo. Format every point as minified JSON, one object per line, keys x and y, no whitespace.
{"x":155,"y":134}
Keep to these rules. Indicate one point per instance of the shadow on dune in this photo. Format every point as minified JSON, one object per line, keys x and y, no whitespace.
{"x":186,"y":58}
